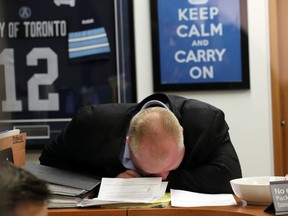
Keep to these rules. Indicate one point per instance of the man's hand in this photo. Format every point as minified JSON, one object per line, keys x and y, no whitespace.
{"x":128,"y":174}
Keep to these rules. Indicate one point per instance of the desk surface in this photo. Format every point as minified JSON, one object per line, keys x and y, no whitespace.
{"x":87,"y":212}
{"x":242,"y":209}
{"x":239,"y":210}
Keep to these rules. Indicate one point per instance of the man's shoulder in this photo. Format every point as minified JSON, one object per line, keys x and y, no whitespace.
{"x":191,"y":103}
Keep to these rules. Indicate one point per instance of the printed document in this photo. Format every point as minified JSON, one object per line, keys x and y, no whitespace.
{"x":128,"y":190}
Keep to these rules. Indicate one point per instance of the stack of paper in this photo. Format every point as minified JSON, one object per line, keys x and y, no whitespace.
{"x":181,"y":198}
{"x":161,"y":203}
{"x":66,"y":190}
{"x":146,"y":190}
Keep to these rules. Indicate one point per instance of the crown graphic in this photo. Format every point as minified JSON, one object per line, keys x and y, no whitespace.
{"x":197,"y":2}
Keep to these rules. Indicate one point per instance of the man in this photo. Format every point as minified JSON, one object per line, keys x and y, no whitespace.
{"x":22,"y":194}
{"x":184,"y":141}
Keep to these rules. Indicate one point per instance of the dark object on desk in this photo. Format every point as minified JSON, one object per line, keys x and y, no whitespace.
{"x":17,"y":143}
{"x":279,"y":205}
{"x":62,"y":177}
{"x":67,"y":187}
{"x":7,"y":155}
{"x":270,"y":208}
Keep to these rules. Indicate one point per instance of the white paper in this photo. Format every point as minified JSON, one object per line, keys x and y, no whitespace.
{"x":180,"y":198}
{"x":144,"y":190}
{"x":132,"y":190}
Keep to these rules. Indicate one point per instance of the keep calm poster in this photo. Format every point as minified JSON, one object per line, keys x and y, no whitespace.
{"x":199,"y":41}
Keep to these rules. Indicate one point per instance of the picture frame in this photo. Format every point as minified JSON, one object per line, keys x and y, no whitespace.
{"x":199,"y":45}
{"x":73,"y":79}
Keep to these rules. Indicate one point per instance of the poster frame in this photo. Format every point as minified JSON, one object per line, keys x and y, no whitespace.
{"x":160,"y":85}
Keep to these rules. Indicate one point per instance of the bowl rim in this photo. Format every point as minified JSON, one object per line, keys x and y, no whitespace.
{"x":239,"y":182}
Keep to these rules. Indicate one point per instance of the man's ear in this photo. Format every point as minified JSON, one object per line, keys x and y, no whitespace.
{"x":127,"y":139}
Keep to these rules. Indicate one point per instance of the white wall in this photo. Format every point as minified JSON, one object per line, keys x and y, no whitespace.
{"x":248,"y":112}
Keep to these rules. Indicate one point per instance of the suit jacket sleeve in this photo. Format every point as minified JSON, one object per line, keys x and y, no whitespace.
{"x":91,"y":142}
{"x":210,"y":160}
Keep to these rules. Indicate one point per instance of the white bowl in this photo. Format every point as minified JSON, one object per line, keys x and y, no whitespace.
{"x":254,"y":190}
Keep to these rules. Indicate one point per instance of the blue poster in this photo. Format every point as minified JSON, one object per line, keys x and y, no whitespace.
{"x":199,"y":41}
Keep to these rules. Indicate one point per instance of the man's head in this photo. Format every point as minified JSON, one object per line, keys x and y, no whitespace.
{"x":155,"y":141}
{"x":23,"y":194}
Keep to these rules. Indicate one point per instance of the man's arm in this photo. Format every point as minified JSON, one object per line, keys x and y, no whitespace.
{"x":91,"y":142}
{"x":54,"y":153}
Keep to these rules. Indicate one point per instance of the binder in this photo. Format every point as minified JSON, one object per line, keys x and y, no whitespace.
{"x":63,"y":177}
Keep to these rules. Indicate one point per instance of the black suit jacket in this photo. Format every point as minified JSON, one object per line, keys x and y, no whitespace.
{"x":93,"y":140}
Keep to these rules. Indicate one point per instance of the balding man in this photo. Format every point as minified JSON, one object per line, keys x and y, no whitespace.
{"x":184,"y":141}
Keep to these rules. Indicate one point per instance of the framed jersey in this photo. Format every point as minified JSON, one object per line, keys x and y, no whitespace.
{"x":59,"y":55}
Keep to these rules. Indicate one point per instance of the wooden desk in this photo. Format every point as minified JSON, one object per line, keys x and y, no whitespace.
{"x":240,"y":210}
{"x":87,"y":212}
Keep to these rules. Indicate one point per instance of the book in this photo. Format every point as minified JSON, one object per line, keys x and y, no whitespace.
{"x":61,"y":201}
{"x":66,"y":190}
